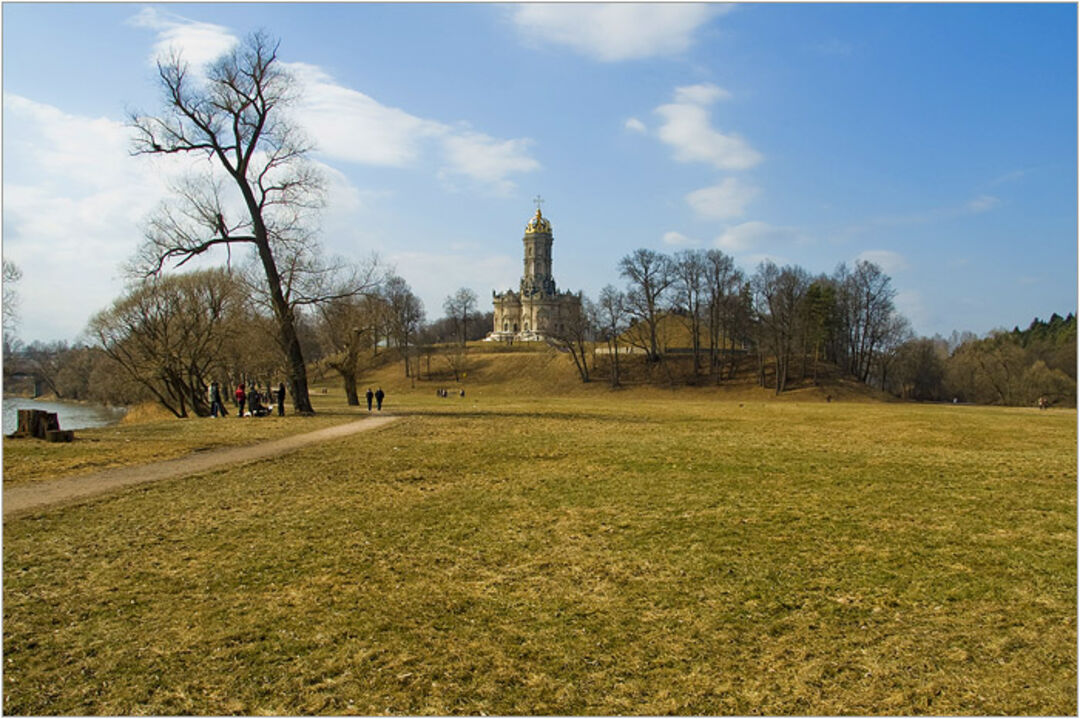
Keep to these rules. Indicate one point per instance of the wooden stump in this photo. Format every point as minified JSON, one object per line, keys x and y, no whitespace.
{"x":36,"y":423}
{"x":59,"y":435}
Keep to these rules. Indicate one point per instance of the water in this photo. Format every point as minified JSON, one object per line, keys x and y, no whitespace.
{"x":71,"y":415}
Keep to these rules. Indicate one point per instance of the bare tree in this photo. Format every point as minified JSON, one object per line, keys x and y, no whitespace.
{"x":458,"y":306}
{"x":12,"y":274}
{"x":167,"y":332}
{"x":866,"y":305}
{"x":345,"y":329}
{"x":406,"y":313}
{"x":650,"y":275}
{"x":611,"y":321}
{"x":575,"y":334}
{"x":234,"y":117}
{"x":778,"y":297}
{"x":689,"y":268}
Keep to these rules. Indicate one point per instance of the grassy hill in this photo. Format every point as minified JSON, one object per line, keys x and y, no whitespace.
{"x":537,"y":370}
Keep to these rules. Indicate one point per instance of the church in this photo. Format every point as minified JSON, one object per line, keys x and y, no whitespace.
{"x":538,"y":310}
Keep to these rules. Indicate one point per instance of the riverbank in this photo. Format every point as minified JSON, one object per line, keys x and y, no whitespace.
{"x":72,"y":414}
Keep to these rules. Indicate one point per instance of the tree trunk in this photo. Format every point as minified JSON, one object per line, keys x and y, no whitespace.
{"x":352,"y":398}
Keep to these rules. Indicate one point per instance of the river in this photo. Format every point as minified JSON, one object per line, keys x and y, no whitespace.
{"x":72,"y":415}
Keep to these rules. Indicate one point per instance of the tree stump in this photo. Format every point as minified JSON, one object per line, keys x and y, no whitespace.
{"x":36,"y":423}
{"x":59,"y":435}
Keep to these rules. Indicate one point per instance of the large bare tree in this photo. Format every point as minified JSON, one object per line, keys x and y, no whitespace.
{"x":650,"y":274}
{"x":265,"y":191}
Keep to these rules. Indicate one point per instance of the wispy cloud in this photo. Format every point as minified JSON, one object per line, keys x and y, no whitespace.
{"x":885,"y":259}
{"x":676,"y":239}
{"x":686,"y":128}
{"x":635,"y":125}
{"x":613,"y":32}
{"x":348,"y":125}
{"x":755,"y":235}
{"x":982,"y":203}
{"x":74,"y":202}
{"x":199,"y":43}
{"x":724,"y":201}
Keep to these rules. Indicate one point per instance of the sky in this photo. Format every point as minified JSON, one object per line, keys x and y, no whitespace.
{"x":937,"y":140}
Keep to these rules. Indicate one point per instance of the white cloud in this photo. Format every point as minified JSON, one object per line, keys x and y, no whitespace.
{"x":635,"y":125}
{"x":611,"y":32}
{"x":348,"y":125}
{"x":74,"y":201}
{"x":199,"y":43}
{"x":351,"y":126}
{"x":752,"y":235}
{"x":676,"y":239}
{"x":982,"y":203}
{"x":486,"y":159}
{"x":686,"y":128}
{"x":885,"y":259}
{"x":723,"y":201}
{"x":704,"y":94}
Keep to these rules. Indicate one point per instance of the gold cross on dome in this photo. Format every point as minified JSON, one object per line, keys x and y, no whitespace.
{"x":539,"y":201}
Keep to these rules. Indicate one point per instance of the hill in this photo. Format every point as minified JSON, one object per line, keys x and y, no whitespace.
{"x":534,"y":369}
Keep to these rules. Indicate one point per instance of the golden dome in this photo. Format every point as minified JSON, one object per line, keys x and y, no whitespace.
{"x":537,"y":224}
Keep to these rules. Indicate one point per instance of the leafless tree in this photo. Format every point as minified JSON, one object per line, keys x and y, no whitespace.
{"x":866,"y":304}
{"x":611,"y":322}
{"x":12,"y":274}
{"x":778,"y":296}
{"x":458,"y":306}
{"x":406,"y":314}
{"x":650,"y":275}
{"x":265,"y":192}
{"x":574,"y":336}
{"x":167,"y":335}
{"x":689,"y":268}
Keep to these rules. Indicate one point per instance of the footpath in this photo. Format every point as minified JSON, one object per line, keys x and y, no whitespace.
{"x":65,"y":490}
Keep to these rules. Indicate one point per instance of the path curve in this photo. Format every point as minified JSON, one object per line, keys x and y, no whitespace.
{"x":63,"y":490}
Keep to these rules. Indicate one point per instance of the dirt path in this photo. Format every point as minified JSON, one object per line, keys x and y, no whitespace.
{"x":64,"y":490}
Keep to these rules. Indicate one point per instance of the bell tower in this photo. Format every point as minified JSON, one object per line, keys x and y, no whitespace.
{"x":537,"y":279}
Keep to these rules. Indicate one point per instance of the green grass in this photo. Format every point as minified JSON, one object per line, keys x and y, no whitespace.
{"x":603,"y":554}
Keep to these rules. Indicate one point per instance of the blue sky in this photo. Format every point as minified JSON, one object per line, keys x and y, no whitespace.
{"x":936,"y":139}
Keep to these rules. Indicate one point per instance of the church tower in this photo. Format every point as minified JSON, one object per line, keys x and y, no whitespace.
{"x":538,"y":311}
{"x":537,"y":280}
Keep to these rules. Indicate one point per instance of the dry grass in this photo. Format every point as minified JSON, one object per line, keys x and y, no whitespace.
{"x":149,"y":434}
{"x":592,"y":554}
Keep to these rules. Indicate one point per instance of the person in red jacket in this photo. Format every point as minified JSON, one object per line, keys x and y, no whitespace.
{"x":240,"y":397}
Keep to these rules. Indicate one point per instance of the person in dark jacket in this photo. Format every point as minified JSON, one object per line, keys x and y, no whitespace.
{"x":281,"y":400}
{"x":379,"y":394}
{"x":369,"y":394}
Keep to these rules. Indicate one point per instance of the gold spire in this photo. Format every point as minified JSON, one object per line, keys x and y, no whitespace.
{"x":537,"y":224}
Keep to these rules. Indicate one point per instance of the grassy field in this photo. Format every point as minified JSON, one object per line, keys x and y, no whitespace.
{"x":637,"y":553}
{"x":132,"y":443}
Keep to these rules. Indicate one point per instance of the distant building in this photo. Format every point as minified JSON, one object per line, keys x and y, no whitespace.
{"x":538,"y":309}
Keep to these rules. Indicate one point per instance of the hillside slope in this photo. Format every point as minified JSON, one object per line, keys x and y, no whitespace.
{"x":539,"y":371}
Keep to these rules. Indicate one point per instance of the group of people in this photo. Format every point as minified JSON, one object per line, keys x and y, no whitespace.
{"x":259,"y":404}
{"x":442,"y":392}
{"x":378,"y":395}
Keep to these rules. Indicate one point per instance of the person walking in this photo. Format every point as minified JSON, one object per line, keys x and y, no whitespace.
{"x":379,"y":394}
{"x":281,"y":400}
{"x":217,"y":407}
{"x":241,"y":396}
{"x":369,"y":394}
